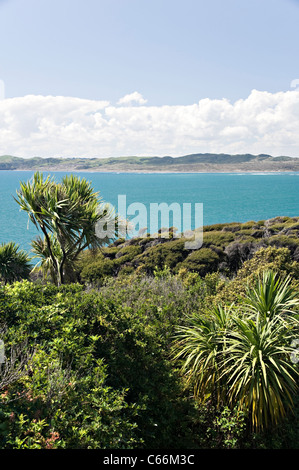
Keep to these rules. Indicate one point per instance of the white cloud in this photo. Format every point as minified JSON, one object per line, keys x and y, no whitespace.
{"x":64,"y":126}
{"x":132,"y":98}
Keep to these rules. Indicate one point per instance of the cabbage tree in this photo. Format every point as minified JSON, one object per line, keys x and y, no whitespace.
{"x":245,"y":358}
{"x":67,"y":214}
{"x":14,"y":263}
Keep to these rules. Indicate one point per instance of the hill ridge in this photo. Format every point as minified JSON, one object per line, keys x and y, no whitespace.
{"x":198,"y":162}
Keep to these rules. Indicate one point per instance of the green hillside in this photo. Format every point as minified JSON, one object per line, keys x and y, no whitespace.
{"x":225,"y":248}
{"x":188,"y":163}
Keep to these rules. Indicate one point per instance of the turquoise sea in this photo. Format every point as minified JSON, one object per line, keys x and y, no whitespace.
{"x":226,"y":197}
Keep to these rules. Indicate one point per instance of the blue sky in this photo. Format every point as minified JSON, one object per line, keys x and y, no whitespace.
{"x":171,"y":53}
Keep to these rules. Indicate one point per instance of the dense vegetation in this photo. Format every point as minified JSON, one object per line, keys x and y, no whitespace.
{"x":225,"y":248}
{"x":155,"y":346}
{"x":97,"y":368}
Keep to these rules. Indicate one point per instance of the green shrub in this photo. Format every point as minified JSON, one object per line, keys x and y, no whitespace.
{"x":280,"y":241}
{"x":233,"y":227}
{"x":100,"y":376}
{"x":217,"y":238}
{"x":201,"y":261}
{"x":217,"y":227}
{"x":95,"y":272}
{"x":110,"y":251}
{"x":126,"y":270}
{"x":248,"y":225}
{"x":127,"y":253}
{"x":168,"y":253}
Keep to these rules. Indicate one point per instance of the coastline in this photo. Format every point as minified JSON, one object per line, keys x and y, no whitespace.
{"x":155,"y":171}
{"x":197,"y":163}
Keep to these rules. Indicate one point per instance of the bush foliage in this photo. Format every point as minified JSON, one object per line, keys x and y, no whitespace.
{"x":92,"y":365}
{"x":225,"y":248}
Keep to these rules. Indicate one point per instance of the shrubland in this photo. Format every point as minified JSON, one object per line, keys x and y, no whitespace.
{"x":141,"y":343}
{"x":225,"y":248}
{"x":101,"y":365}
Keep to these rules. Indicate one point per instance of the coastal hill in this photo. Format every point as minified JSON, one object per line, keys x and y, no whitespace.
{"x":201,"y":162}
{"x":225,"y":249}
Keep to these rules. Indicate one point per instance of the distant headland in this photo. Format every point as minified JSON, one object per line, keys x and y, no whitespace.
{"x":195,"y":163}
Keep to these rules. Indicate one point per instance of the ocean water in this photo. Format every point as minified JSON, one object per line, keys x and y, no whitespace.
{"x":226,"y":197}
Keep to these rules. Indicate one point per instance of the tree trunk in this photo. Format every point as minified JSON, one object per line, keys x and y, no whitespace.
{"x":60,"y":269}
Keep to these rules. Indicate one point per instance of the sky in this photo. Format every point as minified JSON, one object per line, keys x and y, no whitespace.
{"x":109,"y":78}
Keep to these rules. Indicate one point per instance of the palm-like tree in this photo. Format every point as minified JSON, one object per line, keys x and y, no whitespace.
{"x":199,"y":346}
{"x":14,"y":263}
{"x":243,"y":358}
{"x":260,"y":376}
{"x":271,"y":296}
{"x":67,"y":213}
{"x":42,"y":253}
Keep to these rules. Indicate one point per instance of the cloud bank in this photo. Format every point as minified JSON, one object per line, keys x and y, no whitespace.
{"x":65,"y":126}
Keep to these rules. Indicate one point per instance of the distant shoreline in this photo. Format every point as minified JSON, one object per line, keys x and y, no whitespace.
{"x":143,"y":172}
{"x":195,"y":163}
